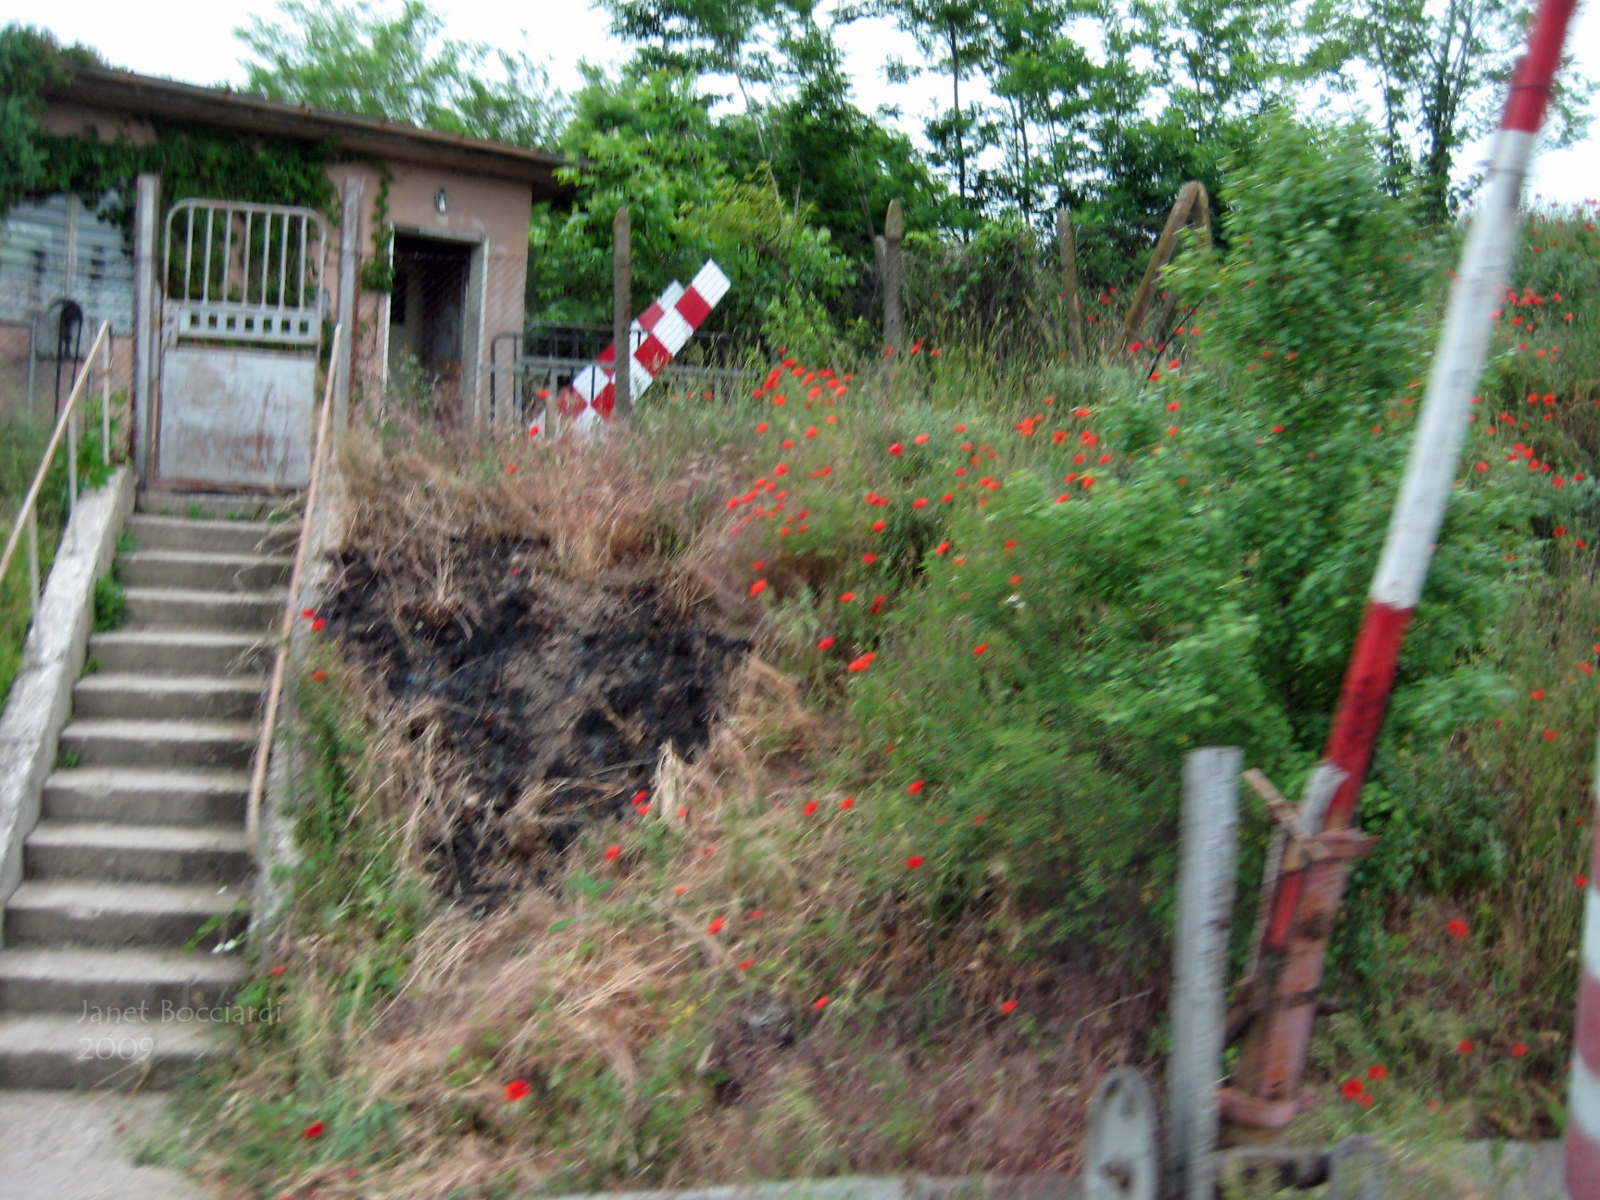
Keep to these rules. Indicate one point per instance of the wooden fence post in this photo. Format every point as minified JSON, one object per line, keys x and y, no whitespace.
{"x":622,"y":311}
{"x":1069,"y":281}
{"x":1191,"y":206}
{"x":1208,"y":852}
{"x":894,"y":230}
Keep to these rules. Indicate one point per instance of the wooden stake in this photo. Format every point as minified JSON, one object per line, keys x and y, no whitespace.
{"x":1192,"y":197}
{"x":1200,"y":964}
{"x":622,"y":311}
{"x":1069,"y":281}
{"x":894,"y":230}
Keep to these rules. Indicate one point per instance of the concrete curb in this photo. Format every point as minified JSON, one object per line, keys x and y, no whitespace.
{"x":52,"y":659}
{"x":875,"y":1187}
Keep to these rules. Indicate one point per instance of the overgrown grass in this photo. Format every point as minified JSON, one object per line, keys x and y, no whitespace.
{"x":901,"y":916}
{"x":22,"y":445}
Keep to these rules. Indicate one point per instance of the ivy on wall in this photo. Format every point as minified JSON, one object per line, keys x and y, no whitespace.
{"x":192,"y":161}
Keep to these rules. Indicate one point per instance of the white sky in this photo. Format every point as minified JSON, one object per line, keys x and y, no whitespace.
{"x":192,"y":40}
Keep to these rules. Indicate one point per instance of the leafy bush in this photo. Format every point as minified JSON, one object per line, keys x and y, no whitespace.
{"x":1173,"y":563}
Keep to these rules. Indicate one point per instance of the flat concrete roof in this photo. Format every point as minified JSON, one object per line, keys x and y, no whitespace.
{"x":146,"y":96}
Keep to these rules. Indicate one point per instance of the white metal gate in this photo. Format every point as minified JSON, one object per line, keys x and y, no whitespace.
{"x":241,"y":330}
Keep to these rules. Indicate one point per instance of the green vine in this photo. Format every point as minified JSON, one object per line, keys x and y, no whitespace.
{"x":192,"y":161}
{"x":377,"y":273}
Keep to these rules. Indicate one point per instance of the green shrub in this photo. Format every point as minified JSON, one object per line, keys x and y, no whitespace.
{"x":1167,"y":564}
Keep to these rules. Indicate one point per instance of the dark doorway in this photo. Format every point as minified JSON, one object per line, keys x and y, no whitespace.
{"x":427,"y":318}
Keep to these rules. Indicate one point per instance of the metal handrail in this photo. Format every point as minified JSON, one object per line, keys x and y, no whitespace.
{"x":28,"y":515}
{"x":269,"y":722}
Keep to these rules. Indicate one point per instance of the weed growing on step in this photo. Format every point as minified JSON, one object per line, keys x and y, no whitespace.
{"x":110,"y":603}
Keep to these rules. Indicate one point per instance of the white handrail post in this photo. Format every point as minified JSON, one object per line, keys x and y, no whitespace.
{"x":72,"y":459}
{"x":105,"y":404}
{"x":1208,"y":852}
{"x":146,"y":321}
{"x":33,"y":563}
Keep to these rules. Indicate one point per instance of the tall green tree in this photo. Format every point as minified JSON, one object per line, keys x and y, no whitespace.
{"x":355,"y":59}
{"x":1441,"y":67}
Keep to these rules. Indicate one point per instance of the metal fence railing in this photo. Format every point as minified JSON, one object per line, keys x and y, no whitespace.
{"x":27,"y":521}
{"x":269,"y":719}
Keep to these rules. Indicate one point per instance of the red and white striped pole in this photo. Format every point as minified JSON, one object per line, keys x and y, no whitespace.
{"x":1305,"y":901}
{"x":657,"y":335}
{"x":1583,"y":1094}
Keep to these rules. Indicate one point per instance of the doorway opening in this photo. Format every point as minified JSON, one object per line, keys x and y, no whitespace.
{"x":427,"y":323}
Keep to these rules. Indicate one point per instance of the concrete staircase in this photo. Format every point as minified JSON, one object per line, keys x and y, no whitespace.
{"x":138,"y":869}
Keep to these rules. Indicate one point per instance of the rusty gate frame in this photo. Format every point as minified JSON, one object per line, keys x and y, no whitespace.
{"x":242,"y":284}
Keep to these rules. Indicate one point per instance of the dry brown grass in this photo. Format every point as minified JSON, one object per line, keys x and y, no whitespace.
{"x":619,"y":1008}
{"x":654,"y":1053}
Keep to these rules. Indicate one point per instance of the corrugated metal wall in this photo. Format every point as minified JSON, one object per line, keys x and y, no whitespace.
{"x":58,"y":248}
{"x":54,"y":250}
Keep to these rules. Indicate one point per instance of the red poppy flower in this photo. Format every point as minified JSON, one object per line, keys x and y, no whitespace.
{"x":715,"y":926}
{"x":915,"y":861}
{"x":1464,"y":1046}
{"x":1008,"y":1007}
{"x":825,"y":642}
{"x":511,"y":469}
{"x":517,"y":1089}
{"x":1457,"y":928}
{"x":319,"y":675}
{"x":862,"y":663}
{"x":641,"y":795}
{"x":612,"y":851}
{"x":680,"y":889}
{"x":1433,"y":1106}
{"x":896,"y":449}
{"x":318,"y":625}
{"x":820,"y":1003}
{"x":980,"y":648}
{"x":941,"y":548}
{"x":1549,"y":735}
{"x":1277,"y":429}
{"x":1352,"y":1088}
{"x":278,"y":970}
{"x":314,"y":1130}
{"x":920,"y":502}
{"x":810,"y":807}
{"x":1365,"y":1100}
{"x":921,"y":439}
{"x":1581,"y":880}
{"x":1518,"y":1050}
{"x":1377,"y":1071}
{"x":847,"y":803}
{"x":1482,"y":467}
{"x":757,"y":914}
{"x":1016,"y":579}
{"x":747,"y":964}
{"x":913,"y":788}
{"x":308,"y":613}
{"x":758,"y":587}
{"x":878,"y":526}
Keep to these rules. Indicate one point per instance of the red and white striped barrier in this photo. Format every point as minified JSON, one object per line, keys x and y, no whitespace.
{"x":657,"y":335}
{"x":1293,"y":930}
{"x":1583,"y":1095}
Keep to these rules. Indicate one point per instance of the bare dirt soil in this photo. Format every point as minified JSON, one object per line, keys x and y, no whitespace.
{"x":548,"y":701}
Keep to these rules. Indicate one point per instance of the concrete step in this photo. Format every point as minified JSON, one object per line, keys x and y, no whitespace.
{"x":103,"y":851}
{"x":213,"y":537}
{"x":193,"y":608}
{"x":224,"y":745}
{"x":213,"y":506}
{"x":50,"y":1050}
{"x":203,"y":571}
{"x":146,"y":915}
{"x":166,"y":697}
{"x":75,"y":979}
{"x":146,"y":796}
{"x":181,"y":652}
